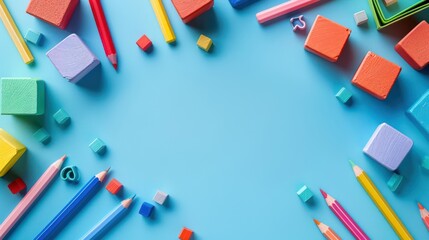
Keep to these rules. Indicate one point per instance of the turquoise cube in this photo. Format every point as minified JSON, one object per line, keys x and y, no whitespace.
{"x":22,"y":96}
{"x":425,"y":163}
{"x":61,"y":117}
{"x":419,"y":113}
{"x":305,"y":193}
{"x":42,"y":136}
{"x":33,"y":37}
{"x":98,"y":146}
{"x":344,"y":95}
{"x":394,"y":182}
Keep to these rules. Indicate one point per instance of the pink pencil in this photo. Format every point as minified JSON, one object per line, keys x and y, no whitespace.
{"x":30,"y":197}
{"x":282,"y":9}
{"x":344,"y":217}
{"x":425,"y":215}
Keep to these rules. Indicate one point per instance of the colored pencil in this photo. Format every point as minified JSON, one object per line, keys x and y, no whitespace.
{"x":104,"y":31}
{"x":14,"y":33}
{"x":282,"y":9}
{"x":381,"y":203}
{"x":425,"y":215}
{"x":108,"y":220}
{"x":30,"y":197}
{"x":326,"y":231}
{"x":71,"y":208}
{"x":344,"y":217}
{"x":164,"y":23}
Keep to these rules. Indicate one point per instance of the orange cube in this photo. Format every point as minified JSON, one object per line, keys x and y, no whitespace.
{"x":186,"y":234}
{"x":55,"y":12}
{"x":327,"y":38}
{"x":376,"y":75}
{"x":114,"y":186}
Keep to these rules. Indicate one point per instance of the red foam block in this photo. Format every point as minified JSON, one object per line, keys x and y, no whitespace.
{"x":18,"y":185}
{"x":144,"y":43}
{"x":190,"y":9}
{"x":55,"y":12}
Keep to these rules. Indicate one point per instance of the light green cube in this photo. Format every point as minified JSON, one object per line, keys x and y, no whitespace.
{"x":394,"y":182}
{"x":98,"y":146}
{"x":42,"y":136}
{"x":344,"y":95}
{"x":305,"y":193}
{"x":22,"y":96}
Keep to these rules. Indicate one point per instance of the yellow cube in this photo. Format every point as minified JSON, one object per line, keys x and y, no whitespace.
{"x":204,"y":43}
{"x":10,"y":151}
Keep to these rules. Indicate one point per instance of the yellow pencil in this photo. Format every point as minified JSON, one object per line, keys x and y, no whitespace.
{"x":163,"y":21}
{"x":15,"y":34}
{"x":381,"y":203}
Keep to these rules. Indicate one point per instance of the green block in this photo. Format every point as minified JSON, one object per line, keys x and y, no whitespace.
{"x":22,"y":96}
{"x":98,"y":146}
{"x":42,"y":136}
{"x":394,"y":182}
{"x":305,"y":193}
{"x":343,"y":95}
{"x":61,"y":117}
{"x":425,"y":163}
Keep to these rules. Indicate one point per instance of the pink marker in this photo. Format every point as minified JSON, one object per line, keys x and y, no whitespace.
{"x":282,"y":9}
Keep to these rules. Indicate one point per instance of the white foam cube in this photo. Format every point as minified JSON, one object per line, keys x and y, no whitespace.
{"x":160,"y":197}
{"x":360,"y":17}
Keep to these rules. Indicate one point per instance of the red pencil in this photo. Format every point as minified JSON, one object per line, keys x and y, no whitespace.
{"x":103,"y":30}
{"x":425,"y":215}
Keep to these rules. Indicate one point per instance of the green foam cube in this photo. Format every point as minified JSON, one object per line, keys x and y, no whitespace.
{"x":394,"y":181}
{"x":42,"y":136}
{"x":305,"y":193}
{"x":343,"y":95}
{"x":22,"y":96}
{"x":61,"y":117}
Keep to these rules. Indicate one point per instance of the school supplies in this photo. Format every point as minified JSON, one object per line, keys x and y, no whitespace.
{"x":326,"y":231}
{"x":164,"y":23}
{"x":424,"y":214}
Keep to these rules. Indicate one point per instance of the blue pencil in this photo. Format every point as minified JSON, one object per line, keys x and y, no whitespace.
{"x":68,"y":211}
{"x":108,"y":220}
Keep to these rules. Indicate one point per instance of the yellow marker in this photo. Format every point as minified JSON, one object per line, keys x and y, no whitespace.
{"x":15,"y":34}
{"x":163,"y":21}
{"x":381,"y":203}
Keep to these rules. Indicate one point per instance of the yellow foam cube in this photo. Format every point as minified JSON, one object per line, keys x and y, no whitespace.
{"x":10,"y":151}
{"x":204,"y":43}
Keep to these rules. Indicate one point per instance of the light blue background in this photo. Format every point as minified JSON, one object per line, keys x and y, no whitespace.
{"x":230,"y":135}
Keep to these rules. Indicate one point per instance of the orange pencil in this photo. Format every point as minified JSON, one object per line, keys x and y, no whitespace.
{"x":425,"y":215}
{"x":326,"y":231}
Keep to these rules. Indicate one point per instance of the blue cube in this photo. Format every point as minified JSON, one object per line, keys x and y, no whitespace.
{"x":344,"y":95}
{"x":146,"y":209}
{"x":33,"y":37}
{"x":305,"y":193}
{"x":62,"y":117}
{"x":394,"y":182}
{"x":42,"y":136}
{"x":98,"y":146}
{"x":419,"y":113}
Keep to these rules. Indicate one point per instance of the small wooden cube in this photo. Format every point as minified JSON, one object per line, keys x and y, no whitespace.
{"x":204,"y":43}
{"x":114,"y":186}
{"x":388,"y":146}
{"x":425,"y":163}
{"x":389,"y":2}
{"x":414,"y":47}
{"x":394,"y":182}
{"x":98,"y":146}
{"x":33,"y":37}
{"x":419,"y":113}
{"x":304,"y":193}
{"x":18,"y":185}
{"x":146,"y":209}
{"x":185,"y":234}
{"x":343,"y":95}
{"x":360,"y":17}
{"x":190,"y":9}
{"x":22,"y":96}
{"x":144,"y":43}
{"x":11,"y":150}
{"x":42,"y":136}
{"x":61,"y":117}
{"x":160,"y":197}
{"x":376,"y":75}
{"x":327,"y":38}
{"x":55,"y":12}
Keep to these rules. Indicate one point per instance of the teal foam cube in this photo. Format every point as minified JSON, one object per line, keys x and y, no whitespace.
{"x":343,"y":95}
{"x":33,"y":37}
{"x":22,"y":96}
{"x":98,"y":146}
{"x":394,"y":182}
{"x":42,"y":136}
{"x":425,"y":162}
{"x":61,"y":117}
{"x":305,"y":193}
{"x":419,"y":113}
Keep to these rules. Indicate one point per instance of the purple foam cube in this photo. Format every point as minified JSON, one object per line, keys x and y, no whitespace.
{"x":388,"y":146}
{"x":72,"y":58}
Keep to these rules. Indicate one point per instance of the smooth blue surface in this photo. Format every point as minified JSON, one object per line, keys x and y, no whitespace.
{"x":231,"y":135}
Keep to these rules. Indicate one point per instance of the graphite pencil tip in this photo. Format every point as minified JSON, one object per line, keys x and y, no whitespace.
{"x":107,"y":170}
{"x":324,"y":194}
{"x":133,"y":197}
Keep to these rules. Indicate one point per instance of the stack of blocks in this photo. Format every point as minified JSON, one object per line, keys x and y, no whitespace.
{"x":72,"y":58}
{"x":419,"y":113}
{"x":394,"y":182}
{"x":42,"y":136}
{"x":146,"y":209}
{"x":304,"y":193}
{"x":61,"y":117}
{"x":114,"y":186}
{"x":344,"y":95}
{"x":55,"y":12}
{"x":414,"y":47}
{"x":376,"y":75}
{"x":11,"y":150}
{"x":388,"y":146}
{"x":17,"y":186}
{"x":204,"y":43}
{"x":33,"y":37}
{"x":22,"y":96}
{"x":327,"y":38}
{"x":144,"y":43}
{"x":185,"y":234}
{"x":190,"y":9}
{"x":98,"y":146}
{"x":160,"y":197}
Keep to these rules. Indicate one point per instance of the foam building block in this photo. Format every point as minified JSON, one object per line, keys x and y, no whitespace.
{"x":388,"y":146}
{"x":144,"y":43}
{"x":343,"y":95}
{"x":22,"y":96}
{"x":61,"y":117}
{"x":419,"y":113}
{"x":389,"y":2}
{"x":18,"y":185}
{"x":146,"y":209}
{"x":360,"y":17}
{"x":327,"y":38}
{"x":304,"y":193}
{"x":204,"y":43}
{"x":72,"y":58}
{"x":11,"y":150}
{"x":42,"y":136}
{"x":376,"y":75}
{"x":33,"y":37}
{"x":425,"y":163}
{"x":240,"y":3}
{"x":55,"y":12}
{"x":185,"y":234}
{"x":160,"y":197}
{"x":114,"y":186}
{"x":188,"y":10}
{"x":394,"y":182}
{"x":97,"y":146}
{"x":414,"y":47}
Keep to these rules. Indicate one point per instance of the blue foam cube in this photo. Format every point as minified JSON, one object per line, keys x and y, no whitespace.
{"x":42,"y":136}
{"x":343,"y":95}
{"x":394,"y":182}
{"x":61,"y":117}
{"x":240,"y":3}
{"x":33,"y":37}
{"x":305,"y":193}
{"x":146,"y":209}
{"x":97,"y":146}
{"x":419,"y":113}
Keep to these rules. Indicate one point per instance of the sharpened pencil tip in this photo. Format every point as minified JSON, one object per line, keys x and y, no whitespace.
{"x":107,"y":170}
{"x":63,"y":158}
{"x":352,"y":163}
{"x":316,"y":221}
{"x":420,"y":206}
{"x":324,"y":194}
{"x":133,"y":197}
{"x":115,"y":66}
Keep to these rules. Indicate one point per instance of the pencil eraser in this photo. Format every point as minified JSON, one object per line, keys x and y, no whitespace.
{"x":22,"y":96}
{"x":72,"y":58}
{"x":42,"y":136}
{"x":414,"y":47}
{"x":327,"y":38}
{"x":55,"y":12}
{"x":33,"y":37}
{"x":18,"y":185}
{"x":188,"y":10}
{"x":185,"y":234}
{"x":160,"y":197}
{"x":146,"y":209}
{"x":388,"y":146}
{"x":11,"y":150}
{"x":376,"y":75}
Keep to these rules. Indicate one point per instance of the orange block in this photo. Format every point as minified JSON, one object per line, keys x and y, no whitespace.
{"x":190,"y":9}
{"x":55,"y":12}
{"x":114,"y":186}
{"x":376,"y":75}
{"x":414,"y":47}
{"x":185,"y":234}
{"x":327,"y":38}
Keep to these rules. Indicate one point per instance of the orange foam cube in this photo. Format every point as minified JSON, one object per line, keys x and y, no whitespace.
{"x":414,"y":47}
{"x":327,"y":38}
{"x":376,"y":75}
{"x":114,"y":186}
{"x":55,"y":12}
{"x":185,"y":234}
